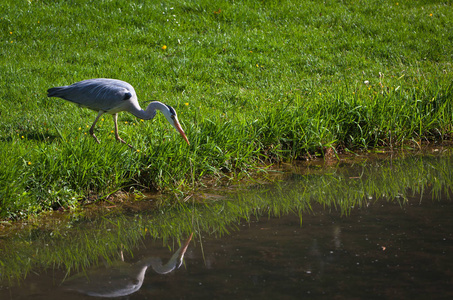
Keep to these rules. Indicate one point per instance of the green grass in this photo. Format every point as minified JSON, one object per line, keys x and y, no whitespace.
{"x":252,"y":82}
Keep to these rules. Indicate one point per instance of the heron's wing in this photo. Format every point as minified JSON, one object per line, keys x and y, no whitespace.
{"x":97,"y":94}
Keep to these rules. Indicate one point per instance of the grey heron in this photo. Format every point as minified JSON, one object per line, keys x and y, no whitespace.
{"x":112,"y":96}
{"x":122,"y":279}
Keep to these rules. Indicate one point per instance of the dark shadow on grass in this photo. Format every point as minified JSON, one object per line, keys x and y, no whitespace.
{"x":32,"y":135}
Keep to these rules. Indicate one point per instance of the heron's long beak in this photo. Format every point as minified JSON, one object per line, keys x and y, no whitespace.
{"x":178,"y":127}
{"x":186,"y":244}
{"x":182,"y":250}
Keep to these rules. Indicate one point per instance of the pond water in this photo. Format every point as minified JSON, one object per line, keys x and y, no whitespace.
{"x":387,"y":240}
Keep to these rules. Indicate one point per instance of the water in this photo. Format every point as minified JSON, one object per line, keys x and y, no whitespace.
{"x":386,"y":247}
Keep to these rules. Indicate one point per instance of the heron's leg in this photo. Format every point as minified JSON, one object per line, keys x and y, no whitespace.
{"x":94,"y":123}
{"x":117,"y":136}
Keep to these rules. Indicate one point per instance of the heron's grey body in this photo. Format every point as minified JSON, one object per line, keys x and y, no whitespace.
{"x":112,"y":96}
{"x":101,"y":94}
{"x":123,"y":279}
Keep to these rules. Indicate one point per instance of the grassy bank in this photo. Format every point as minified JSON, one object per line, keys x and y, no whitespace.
{"x":251,"y":82}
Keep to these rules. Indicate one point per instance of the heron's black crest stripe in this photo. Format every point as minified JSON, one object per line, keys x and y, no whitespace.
{"x":172,"y":111}
{"x":127,"y":96}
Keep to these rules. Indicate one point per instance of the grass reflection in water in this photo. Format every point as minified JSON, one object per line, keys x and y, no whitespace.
{"x":79,"y":242}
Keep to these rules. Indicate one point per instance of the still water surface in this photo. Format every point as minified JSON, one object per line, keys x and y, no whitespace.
{"x":383,"y":249}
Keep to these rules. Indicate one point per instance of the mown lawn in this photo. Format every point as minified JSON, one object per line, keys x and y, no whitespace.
{"x":252,"y":82}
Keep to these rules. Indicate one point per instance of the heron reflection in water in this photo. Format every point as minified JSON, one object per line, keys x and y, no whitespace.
{"x":124,"y":279}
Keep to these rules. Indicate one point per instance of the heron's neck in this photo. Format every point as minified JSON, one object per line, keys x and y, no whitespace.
{"x":150,"y":111}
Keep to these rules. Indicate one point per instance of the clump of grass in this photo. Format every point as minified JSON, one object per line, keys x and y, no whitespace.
{"x":251,"y":82}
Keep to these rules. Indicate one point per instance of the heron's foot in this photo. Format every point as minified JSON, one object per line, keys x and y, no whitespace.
{"x":94,"y":136}
{"x":124,"y":142}
{"x":119,"y":139}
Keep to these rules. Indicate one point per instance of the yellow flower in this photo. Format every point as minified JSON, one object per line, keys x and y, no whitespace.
{"x":102,"y":119}
{"x":430,"y":15}
{"x":80,"y":128}
{"x":29,"y":163}
{"x":164,"y":47}
{"x":187,"y":103}
{"x":138,"y":150}
{"x":10,"y":32}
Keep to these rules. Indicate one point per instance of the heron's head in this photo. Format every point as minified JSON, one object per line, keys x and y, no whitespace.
{"x":172,"y":118}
